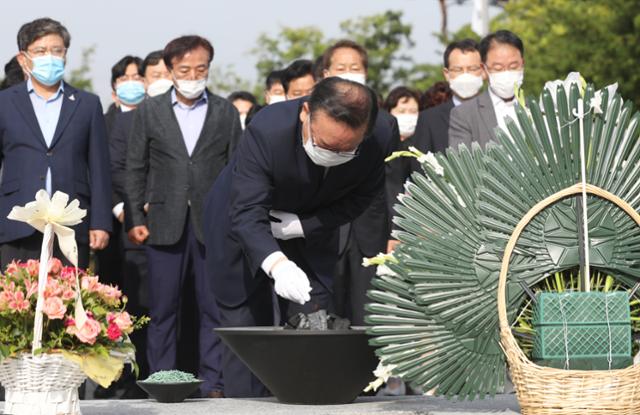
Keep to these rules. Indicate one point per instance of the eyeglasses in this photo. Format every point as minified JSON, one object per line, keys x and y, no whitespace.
{"x":346,"y":154}
{"x":513,"y":66}
{"x":55,"y":51}
{"x":469,"y":69}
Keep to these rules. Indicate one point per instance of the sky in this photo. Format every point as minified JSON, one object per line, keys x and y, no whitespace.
{"x":120,"y":27}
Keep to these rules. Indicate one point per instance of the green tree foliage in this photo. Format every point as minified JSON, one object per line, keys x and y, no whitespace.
{"x":223,"y":80}
{"x":385,"y":36}
{"x":80,"y":76}
{"x":600,"y":39}
{"x":290,"y":44}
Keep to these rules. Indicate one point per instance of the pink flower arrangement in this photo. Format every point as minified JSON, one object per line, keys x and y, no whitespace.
{"x":107,"y":327}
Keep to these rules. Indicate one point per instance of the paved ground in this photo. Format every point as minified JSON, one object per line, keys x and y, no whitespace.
{"x":500,"y":405}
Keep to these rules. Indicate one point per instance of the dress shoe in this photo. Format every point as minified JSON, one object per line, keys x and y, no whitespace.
{"x":215,"y":394}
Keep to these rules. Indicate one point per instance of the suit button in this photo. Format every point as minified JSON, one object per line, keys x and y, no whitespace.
{"x":191,"y":163}
{"x":49,"y":153}
{"x":42,"y":177}
{"x":186,"y":188}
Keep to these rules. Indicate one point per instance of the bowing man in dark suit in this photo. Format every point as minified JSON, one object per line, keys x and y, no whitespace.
{"x":179,"y":143}
{"x":53,"y":137}
{"x":302,"y":169}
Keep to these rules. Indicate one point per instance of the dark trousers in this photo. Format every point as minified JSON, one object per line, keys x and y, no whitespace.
{"x":261,"y":309}
{"x":109,"y":260}
{"x":169,"y":266}
{"x":351,"y":283}
{"x":30,"y":247}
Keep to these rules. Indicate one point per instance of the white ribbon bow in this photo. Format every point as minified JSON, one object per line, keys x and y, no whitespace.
{"x":53,"y":217}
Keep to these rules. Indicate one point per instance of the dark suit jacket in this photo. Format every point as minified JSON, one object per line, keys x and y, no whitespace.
{"x":270,"y":170}
{"x":158,"y":163}
{"x":118,"y":138}
{"x":432,"y":135}
{"x":372,"y":229}
{"x":473,"y":120}
{"x":78,"y":158}
{"x":110,"y":117}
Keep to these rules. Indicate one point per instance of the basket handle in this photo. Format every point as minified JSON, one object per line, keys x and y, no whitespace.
{"x":535,"y":210}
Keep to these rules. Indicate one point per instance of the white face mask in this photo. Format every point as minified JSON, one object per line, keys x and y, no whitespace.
{"x":407,"y":124}
{"x":159,"y":87}
{"x":503,"y":84}
{"x":274,"y":99}
{"x":355,"y":77}
{"x":190,"y":89}
{"x":466,"y":85}
{"x":243,"y":120}
{"x":323,"y":157}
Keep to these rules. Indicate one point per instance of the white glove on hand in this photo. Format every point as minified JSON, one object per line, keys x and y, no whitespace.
{"x":291,"y":282}
{"x":288,"y":227}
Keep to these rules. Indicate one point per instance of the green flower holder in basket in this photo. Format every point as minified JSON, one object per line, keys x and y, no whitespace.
{"x":582,"y":330}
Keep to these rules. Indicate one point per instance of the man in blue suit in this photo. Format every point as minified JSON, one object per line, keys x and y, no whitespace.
{"x":53,"y":137}
{"x":302,"y":169}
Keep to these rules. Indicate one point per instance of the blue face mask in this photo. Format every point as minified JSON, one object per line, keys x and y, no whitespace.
{"x":48,"y":69}
{"x":130,"y":92}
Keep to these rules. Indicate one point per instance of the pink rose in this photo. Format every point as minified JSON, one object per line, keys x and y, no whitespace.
{"x":54,"y":308}
{"x":110,"y":293}
{"x":53,"y":288}
{"x":90,"y":284}
{"x":68,"y":294}
{"x":55,"y":266}
{"x":68,"y":274}
{"x":88,"y":332}
{"x":114,"y":332}
{"x":122,"y":320}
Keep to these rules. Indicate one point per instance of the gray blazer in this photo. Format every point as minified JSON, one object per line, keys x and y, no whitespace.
{"x":159,"y":166}
{"x":473,"y":120}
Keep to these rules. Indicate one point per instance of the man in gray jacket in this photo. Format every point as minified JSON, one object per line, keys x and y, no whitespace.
{"x":502,"y":56}
{"x":179,"y":143}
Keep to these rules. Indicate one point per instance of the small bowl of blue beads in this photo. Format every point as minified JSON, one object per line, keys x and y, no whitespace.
{"x":170,"y":386}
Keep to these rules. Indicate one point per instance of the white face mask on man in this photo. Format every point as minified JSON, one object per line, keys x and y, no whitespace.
{"x":322,"y":156}
{"x":159,"y":87}
{"x":407,"y":124}
{"x":190,"y":89}
{"x":353,"y":76}
{"x":466,"y":85}
{"x":504,"y":83}
{"x":274,"y":99}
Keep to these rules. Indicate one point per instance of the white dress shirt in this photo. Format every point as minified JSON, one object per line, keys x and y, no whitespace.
{"x":503,"y":108}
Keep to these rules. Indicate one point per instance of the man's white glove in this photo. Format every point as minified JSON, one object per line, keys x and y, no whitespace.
{"x":286,"y":225}
{"x":291,"y":282}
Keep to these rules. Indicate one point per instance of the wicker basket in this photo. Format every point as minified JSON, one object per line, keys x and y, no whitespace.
{"x":546,"y":391}
{"x":41,"y":385}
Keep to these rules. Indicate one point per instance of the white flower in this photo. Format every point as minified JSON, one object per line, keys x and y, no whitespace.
{"x":382,"y":374}
{"x":379,"y":259}
{"x":596,"y":103}
{"x":432,"y":162}
{"x":383,"y":270}
{"x":572,"y":78}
